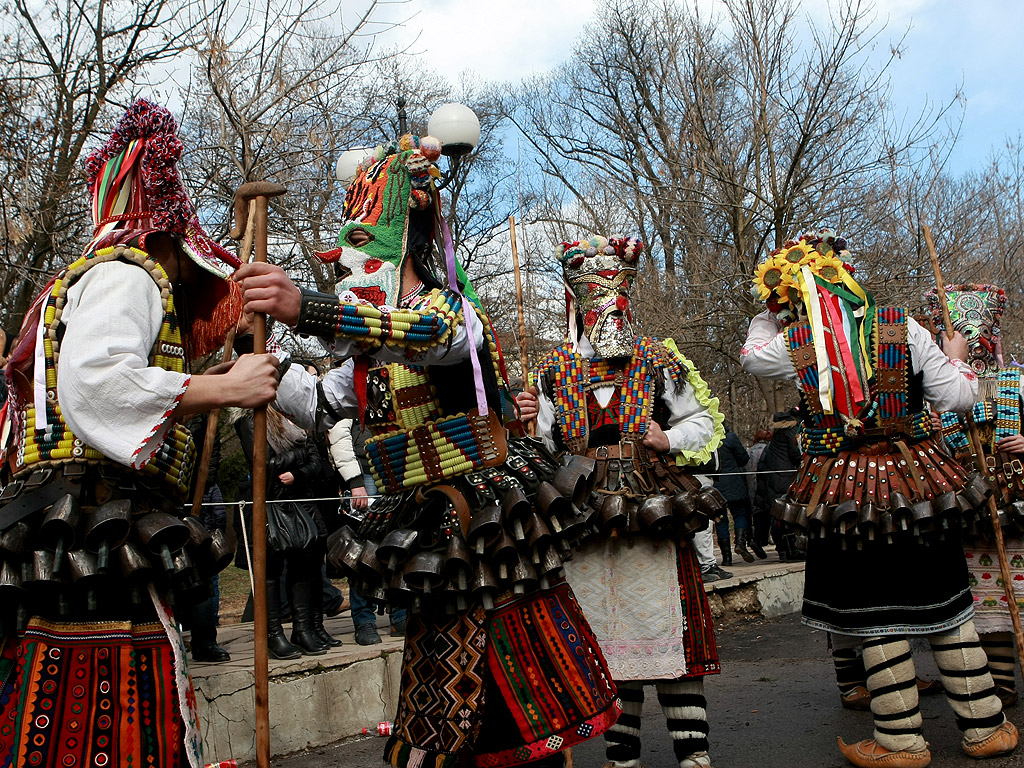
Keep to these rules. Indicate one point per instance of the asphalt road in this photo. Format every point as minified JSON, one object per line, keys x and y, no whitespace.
{"x":775,"y":705}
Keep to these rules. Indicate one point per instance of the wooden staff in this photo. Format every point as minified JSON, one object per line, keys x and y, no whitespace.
{"x":259,"y":192}
{"x":524,"y":360}
{"x":980,"y":463}
{"x":244,"y":255}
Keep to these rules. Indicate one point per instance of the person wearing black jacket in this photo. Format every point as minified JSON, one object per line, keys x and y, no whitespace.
{"x":293,"y":469}
{"x":731,"y":483}
{"x":775,"y":472}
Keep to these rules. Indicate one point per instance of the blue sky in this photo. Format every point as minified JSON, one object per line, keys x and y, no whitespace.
{"x":973,"y":43}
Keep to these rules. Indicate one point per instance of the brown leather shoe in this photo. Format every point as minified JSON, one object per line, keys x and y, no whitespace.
{"x":869,"y":753}
{"x":1002,"y":742}
{"x":929,"y":687}
{"x":858,"y":699}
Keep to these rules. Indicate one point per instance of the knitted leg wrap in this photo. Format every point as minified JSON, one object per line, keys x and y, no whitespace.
{"x":889,"y":668}
{"x":969,"y":687}
{"x":998,"y":647}
{"x":622,"y":740}
{"x":686,"y":712}
{"x":849,"y":669}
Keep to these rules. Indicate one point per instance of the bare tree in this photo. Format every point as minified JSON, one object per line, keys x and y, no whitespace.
{"x":69,"y":64}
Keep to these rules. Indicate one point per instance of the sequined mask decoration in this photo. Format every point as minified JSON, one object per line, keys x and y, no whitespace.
{"x":975,"y":311}
{"x":598,"y":274}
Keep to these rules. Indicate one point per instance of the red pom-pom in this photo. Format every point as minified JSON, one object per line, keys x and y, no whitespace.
{"x":621,"y":303}
{"x":590,"y":319}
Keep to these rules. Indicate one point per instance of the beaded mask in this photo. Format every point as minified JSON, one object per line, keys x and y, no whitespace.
{"x":975,"y":311}
{"x":376,"y":238}
{"x":598,"y":273}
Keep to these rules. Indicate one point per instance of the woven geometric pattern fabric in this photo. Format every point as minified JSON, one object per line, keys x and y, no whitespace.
{"x":90,"y":695}
{"x":442,"y":689}
{"x":699,"y":643}
{"x":549,"y":670}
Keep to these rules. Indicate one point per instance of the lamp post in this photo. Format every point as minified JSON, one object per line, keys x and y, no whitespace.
{"x":456,"y":126}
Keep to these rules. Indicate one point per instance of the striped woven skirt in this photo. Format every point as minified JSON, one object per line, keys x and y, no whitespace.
{"x":78,"y":695}
{"x":500,"y":688}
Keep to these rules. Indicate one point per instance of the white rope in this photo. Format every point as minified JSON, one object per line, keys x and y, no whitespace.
{"x":341,"y":499}
{"x":245,"y":540}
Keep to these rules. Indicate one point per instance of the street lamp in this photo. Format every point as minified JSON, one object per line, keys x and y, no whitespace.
{"x":456,"y":126}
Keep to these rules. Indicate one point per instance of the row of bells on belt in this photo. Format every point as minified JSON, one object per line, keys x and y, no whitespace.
{"x":518,"y":544}
{"x":925,"y":519}
{"x":74,"y":549}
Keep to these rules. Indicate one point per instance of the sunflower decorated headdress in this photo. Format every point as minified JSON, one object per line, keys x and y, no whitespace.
{"x":812,"y":277}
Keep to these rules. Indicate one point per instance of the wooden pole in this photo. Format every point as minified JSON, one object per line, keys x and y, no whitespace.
{"x":977,"y":450}
{"x":244,"y":255}
{"x":524,"y":360}
{"x":211,"y":437}
{"x":260,"y":193}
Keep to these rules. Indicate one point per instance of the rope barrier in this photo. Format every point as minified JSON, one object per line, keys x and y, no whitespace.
{"x":243,"y":503}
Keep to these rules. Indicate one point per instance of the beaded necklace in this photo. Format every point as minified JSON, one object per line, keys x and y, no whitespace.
{"x":570,"y":375}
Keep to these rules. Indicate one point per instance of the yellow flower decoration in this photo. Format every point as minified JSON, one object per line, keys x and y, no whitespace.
{"x":798,"y":255}
{"x":828,"y":268}
{"x":771,"y":275}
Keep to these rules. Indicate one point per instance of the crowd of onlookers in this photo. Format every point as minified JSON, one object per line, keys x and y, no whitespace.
{"x":751,"y":479}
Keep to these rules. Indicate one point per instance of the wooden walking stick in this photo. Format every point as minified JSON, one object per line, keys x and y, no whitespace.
{"x":980,"y":464}
{"x":524,"y":360}
{"x":259,"y":192}
{"x":244,"y":254}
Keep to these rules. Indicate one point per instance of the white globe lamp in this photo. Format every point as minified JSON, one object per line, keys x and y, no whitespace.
{"x":348,"y":163}
{"x":457,"y":127}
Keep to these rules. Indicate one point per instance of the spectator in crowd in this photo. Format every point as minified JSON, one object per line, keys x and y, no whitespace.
{"x":205,"y":616}
{"x":732,"y":457}
{"x":760,"y":514}
{"x":776,"y":469}
{"x":346,"y":441}
{"x":293,"y":463}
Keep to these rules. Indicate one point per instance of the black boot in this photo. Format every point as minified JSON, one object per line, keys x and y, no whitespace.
{"x":277,"y":644}
{"x":302,"y":618}
{"x":316,"y":599}
{"x":741,"y":545}
{"x":723,"y":544}
{"x":204,"y":633}
{"x":755,"y":547}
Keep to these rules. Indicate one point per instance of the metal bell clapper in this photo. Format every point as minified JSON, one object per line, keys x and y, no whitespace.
{"x":458,"y":563}
{"x":425,"y":572}
{"x":107,"y":529}
{"x":84,"y":570}
{"x":504,"y":553}
{"x":524,"y":577}
{"x":901,"y":510}
{"x":135,"y":567}
{"x":515,"y":507}
{"x":484,"y":528}
{"x":613,"y":513}
{"x":554,"y":505}
{"x":59,"y":528}
{"x":538,"y":536}
{"x":484,"y":587}
{"x":163,"y":535}
{"x":549,"y":566}
{"x":396,"y":547}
